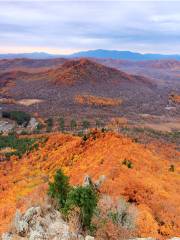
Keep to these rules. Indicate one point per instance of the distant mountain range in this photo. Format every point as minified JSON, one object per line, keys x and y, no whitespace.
{"x":99,"y":53}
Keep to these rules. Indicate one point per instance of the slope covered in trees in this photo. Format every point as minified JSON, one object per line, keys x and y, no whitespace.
{"x":151,"y":181}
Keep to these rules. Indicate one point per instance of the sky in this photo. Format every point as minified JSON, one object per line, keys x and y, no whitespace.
{"x":67,"y":26}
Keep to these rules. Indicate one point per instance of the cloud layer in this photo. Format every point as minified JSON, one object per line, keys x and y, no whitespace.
{"x":68,"y":26}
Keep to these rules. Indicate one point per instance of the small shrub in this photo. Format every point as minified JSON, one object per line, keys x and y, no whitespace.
{"x":80,"y":133}
{"x":108,"y":219}
{"x":86,"y":124}
{"x":172,"y":168}
{"x":39,"y":126}
{"x":61,"y":124}
{"x":59,"y":189}
{"x":103,"y":130}
{"x":135,"y":140}
{"x":124,"y":215}
{"x":86,"y":199}
{"x":98,"y":123}
{"x":128,"y":163}
{"x":88,"y":135}
{"x":24,"y":132}
{"x":85,"y":138}
{"x":49,"y":123}
{"x":73,"y":124}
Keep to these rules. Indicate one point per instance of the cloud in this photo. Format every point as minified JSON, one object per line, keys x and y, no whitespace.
{"x":80,"y":25}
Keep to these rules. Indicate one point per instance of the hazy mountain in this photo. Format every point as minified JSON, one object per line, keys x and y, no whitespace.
{"x":127,"y":55}
{"x":33,"y":55}
{"x":99,"y":53}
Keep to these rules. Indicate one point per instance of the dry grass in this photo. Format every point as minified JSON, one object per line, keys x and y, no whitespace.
{"x":163,"y":126}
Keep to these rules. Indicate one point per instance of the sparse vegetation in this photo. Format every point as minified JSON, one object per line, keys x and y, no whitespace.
{"x":114,"y":218}
{"x":91,"y":134}
{"x":103,"y":130}
{"x":38,"y":128}
{"x":85,"y":124}
{"x":146,"y":134}
{"x":49,"y":123}
{"x":80,"y":134}
{"x":128,"y":163}
{"x":61,"y":124}
{"x":172,"y":168}
{"x":85,"y":138}
{"x":73,"y":124}
{"x":123,"y":215}
{"x":99,"y":124}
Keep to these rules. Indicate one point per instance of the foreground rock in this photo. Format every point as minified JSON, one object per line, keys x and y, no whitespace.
{"x":38,"y":223}
{"x":46,"y":224}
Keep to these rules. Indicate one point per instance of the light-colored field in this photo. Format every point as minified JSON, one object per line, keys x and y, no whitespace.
{"x":29,"y":102}
{"x":160,"y":123}
{"x":165,"y":127}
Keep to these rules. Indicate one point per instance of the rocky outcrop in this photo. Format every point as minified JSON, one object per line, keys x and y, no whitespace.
{"x":41,"y":223}
{"x":46,"y":223}
{"x":96,"y":185}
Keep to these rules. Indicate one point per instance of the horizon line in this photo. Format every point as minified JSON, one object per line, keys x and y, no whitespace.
{"x":88,"y":50}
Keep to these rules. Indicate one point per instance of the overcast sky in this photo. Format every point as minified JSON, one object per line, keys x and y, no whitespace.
{"x":70,"y":26}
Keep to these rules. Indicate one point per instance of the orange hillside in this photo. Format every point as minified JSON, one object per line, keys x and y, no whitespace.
{"x":149,"y":184}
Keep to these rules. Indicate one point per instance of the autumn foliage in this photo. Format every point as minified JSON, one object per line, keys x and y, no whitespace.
{"x":149,"y":184}
{"x":97,"y":101}
{"x":175,"y":98}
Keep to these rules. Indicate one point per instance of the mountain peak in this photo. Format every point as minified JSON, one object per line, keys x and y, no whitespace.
{"x":85,"y":71}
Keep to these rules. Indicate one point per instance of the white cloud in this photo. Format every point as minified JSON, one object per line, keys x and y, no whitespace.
{"x":63,"y":25}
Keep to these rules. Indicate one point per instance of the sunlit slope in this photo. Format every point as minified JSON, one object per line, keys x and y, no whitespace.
{"x":149,"y":183}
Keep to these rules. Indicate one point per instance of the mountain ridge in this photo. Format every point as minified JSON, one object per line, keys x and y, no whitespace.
{"x":98,"y":53}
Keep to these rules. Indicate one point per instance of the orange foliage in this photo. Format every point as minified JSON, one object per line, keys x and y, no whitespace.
{"x":98,"y":101}
{"x":149,"y":184}
{"x":175,"y":98}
